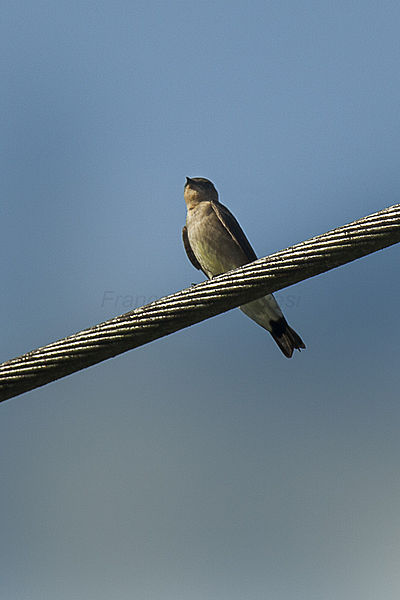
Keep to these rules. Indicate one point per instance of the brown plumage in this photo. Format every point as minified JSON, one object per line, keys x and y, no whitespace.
{"x":215,"y":243}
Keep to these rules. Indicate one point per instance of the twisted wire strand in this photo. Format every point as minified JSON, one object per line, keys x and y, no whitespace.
{"x":200,"y":302}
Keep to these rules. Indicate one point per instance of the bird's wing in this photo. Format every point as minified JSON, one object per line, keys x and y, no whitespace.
{"x":233,"y":228}
{"x":189,"y":251}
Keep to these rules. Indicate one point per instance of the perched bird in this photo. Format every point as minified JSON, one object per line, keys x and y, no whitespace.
{"x":215,"y":243}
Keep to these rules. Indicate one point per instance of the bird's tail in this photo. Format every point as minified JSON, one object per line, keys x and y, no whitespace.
{"x":286,"y":337}
{"x":266,"y":312}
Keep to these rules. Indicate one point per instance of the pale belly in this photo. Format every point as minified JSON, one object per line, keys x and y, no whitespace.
{"x":212,"y":245}
{"x":217,"y":253}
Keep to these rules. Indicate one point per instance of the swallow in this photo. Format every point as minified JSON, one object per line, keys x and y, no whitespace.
{"x":215,"y":243}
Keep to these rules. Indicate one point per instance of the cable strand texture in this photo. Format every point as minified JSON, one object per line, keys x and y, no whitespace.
{"x":200,"y":302}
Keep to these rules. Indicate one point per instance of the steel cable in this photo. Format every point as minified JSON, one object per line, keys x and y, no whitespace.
{"x":200,"y":302}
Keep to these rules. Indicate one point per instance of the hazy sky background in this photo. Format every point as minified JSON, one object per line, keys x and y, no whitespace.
{"x":204,"y":466}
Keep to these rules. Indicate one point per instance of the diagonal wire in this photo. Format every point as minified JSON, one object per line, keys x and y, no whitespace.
{"x":200,"y":302}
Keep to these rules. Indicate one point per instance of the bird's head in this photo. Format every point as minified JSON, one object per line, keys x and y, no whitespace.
{"x":199,"y":189}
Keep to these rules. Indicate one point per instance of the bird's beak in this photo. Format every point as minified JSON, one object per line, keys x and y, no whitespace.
{"x":188,"y":181}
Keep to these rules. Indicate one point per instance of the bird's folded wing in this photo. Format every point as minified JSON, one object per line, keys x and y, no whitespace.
{"x":235,"y":231}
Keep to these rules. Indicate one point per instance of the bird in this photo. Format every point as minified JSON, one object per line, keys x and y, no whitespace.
{"x":215,"y":243}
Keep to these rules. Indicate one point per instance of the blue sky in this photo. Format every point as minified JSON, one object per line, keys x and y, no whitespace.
{"x":204,"y":465}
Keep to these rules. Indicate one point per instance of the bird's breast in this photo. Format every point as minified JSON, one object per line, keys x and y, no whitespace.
{"x":211,"y":243}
